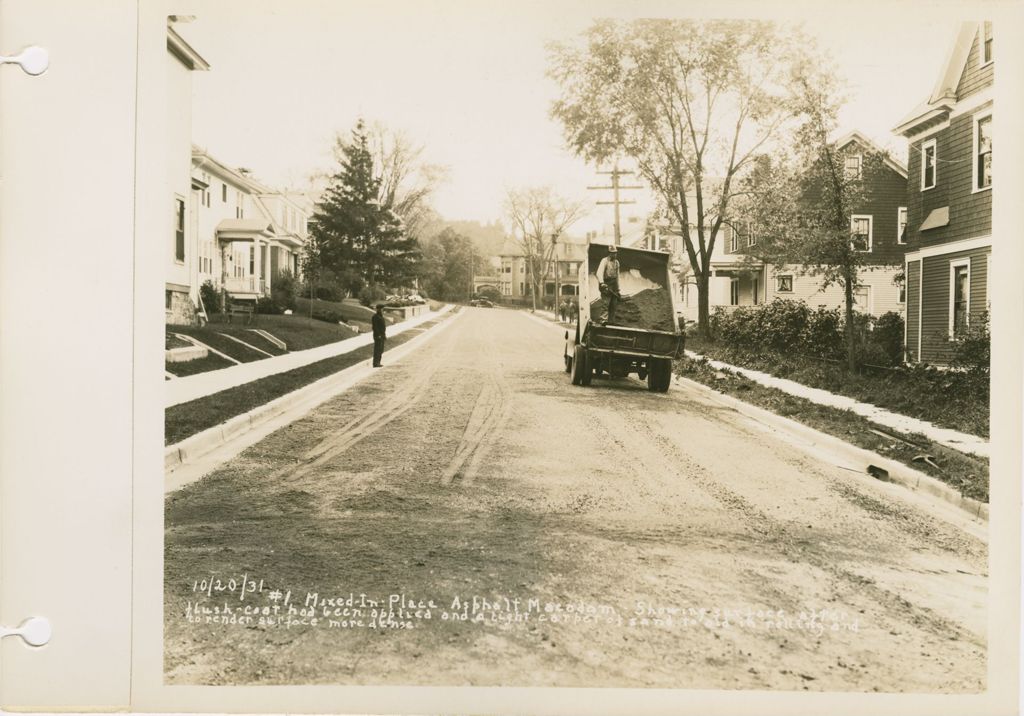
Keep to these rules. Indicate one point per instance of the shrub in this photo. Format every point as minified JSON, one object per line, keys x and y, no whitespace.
{"x":211,"y":297}
{"x":282,"y":291}
{"x":327,"y":293}
{"x":972,"y":347}
{"x":266,"y":306}
{"x":369,"y":295}
{"x":888,"y":335}
{"x":823,"y":335}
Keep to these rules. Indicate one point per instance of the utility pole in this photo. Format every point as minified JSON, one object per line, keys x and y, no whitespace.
{"x":616,"y":187}
{"x":554,"y":252}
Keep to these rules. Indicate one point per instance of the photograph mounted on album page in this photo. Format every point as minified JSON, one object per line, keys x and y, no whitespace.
{"x":573,"y":357}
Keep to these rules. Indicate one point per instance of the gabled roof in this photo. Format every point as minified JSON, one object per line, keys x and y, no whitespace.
{"x":943,"y":95}
{"x":860,"y":139}
{"x":202,"y":159}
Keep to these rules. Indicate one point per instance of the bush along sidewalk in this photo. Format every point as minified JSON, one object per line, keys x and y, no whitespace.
{"x":789,"y":340}
{"x":187,"y":419}
{"x":968,"y":474}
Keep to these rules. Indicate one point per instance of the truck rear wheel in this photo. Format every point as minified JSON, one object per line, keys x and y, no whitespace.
{"x":587,"y":368}
{"x":579,"y":359}
{"x":659,"y":376}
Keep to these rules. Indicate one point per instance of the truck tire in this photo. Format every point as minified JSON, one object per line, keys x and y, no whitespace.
{"x":586,"y":367}
{"x":659,"y":376}
{"x":576,"y":367}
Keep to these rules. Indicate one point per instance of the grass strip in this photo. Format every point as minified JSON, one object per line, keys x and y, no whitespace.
{"x":946,"y":398}
{"x":966,"y":473}
{"x":186,"y":419}
{"x":200,"y":365}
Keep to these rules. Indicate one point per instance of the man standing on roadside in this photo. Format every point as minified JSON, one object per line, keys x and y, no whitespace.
{"x":608,"y":281}
{"x":379,"y":335}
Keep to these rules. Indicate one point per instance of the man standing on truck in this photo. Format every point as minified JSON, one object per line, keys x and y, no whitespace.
{"x":608,"y":281}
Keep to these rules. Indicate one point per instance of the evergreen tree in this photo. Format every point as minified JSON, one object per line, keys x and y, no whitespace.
{"x":351,"y":234}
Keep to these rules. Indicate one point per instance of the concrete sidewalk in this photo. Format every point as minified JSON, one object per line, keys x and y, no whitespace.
{"x":954,"y":439}
{"x":182,"y":390}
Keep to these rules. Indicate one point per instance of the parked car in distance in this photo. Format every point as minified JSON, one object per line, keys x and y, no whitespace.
{"x":481,"y":302}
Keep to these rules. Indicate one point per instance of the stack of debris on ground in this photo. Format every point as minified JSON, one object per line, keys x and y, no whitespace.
{"x":650,"y":309}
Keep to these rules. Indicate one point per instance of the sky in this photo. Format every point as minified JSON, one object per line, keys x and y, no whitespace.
{"x":467,"y":81}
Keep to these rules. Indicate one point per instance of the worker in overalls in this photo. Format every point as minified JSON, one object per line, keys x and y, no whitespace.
{"x":608,"y":282}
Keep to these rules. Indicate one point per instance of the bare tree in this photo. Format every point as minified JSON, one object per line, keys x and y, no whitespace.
{"x":537,"y":214}
{"x":691,"y":102}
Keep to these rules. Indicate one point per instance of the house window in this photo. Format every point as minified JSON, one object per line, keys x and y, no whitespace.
{"x":751,"y":239}
{"x":982,"y":152}
{"x":252,"y":259}
{"x":168,"y":300}
{"x":929,"y":155}
{"x":900,"y":282}
{"x":224,"y":193}
{"x":862,"y":298}
{"x":986,"y":43}
{"x":959,"y":296}
{"x":179,"y":229}
{"x":734,"y":240}
{"x":784,"y":284}
{"x":901,"y":225}
{"x":852,"y":166}
{"x":860,"y":232}
{"x":734,"y":292}
{"x":755,"y":289}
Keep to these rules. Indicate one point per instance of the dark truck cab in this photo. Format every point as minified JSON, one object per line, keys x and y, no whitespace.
{"x":643,"y":337}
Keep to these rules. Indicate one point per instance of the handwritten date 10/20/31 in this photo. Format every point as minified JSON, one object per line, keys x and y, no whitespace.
{"x":217,"y":585}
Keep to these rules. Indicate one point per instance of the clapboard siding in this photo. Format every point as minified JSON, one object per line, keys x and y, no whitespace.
{"x":807,"y":288}
{"x":913,"y":307}
{"x":970,"y":213}
{"x":975,"y":77}
{"x":936,"y":346}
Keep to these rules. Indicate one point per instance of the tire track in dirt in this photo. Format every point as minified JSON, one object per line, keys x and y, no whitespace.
{"x":393,"y":407}
{"x":490,"y":414}
{"x":645,"y":438}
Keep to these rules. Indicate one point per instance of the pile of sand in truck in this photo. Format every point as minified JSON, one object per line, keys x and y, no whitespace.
{"x":650,"y":309}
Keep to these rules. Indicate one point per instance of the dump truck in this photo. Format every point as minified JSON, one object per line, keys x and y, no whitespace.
{"x":643,"y":336}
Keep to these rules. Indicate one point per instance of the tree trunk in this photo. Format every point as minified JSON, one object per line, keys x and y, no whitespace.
{"x":703,"y":303}
{"x":851,"y":338}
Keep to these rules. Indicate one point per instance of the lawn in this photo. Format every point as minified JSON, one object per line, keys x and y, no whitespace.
{"x":946,"y":398}
{"x":200,"y":365}
{"x":966,"y":473}
{"x":187,"y":419}
{"x":212,"y":336}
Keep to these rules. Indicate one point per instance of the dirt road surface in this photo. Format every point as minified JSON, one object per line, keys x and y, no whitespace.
{"x":610,"y":537}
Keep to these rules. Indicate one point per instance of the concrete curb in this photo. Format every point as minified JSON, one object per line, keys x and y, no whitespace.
{"x":859,"y":459}
{"x":198,"y":445}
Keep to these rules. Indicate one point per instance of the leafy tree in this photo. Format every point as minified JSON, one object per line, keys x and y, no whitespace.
{"x":537,"y":214}
{"x":691,"y":102}
{"x":448,"y":264}
{"x":802,"y":201}
{"x":351,"y":234}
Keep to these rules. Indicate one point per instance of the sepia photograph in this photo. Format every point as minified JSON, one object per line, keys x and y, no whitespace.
{"x":546,"y":346}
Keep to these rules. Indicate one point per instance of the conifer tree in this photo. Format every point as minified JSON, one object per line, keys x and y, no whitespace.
{"x":351,"y":234}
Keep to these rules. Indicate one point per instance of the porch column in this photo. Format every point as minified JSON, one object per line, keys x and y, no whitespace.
{"x":257,"y":267}
{"x":225,"y":248}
